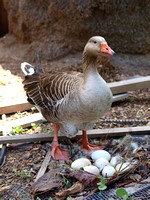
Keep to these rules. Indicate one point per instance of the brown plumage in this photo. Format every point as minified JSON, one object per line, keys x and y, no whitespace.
{"x":71,"y":101}
{"x":48,"y":91}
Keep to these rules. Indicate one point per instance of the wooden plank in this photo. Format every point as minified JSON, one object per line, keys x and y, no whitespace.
{"x":24,"y":121}
{"x":26,"y":138}
{"x":115,"y":132}
{"x":95,"y":133}
{"x":118,"y":97}
{"x":130,"y":84}
{"x":19,"y":106}
{"x":43,"y":168}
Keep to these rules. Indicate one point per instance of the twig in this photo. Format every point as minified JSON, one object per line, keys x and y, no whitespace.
{"x":43,"y":168}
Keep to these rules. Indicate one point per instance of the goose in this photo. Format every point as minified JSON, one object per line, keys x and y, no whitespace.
{"x":71,"y":101}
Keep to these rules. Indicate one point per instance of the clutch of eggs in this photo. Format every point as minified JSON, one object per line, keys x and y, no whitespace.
{"x":103,"y":164}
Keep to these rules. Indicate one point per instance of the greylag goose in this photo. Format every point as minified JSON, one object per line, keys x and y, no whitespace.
{"x":71,"y":101}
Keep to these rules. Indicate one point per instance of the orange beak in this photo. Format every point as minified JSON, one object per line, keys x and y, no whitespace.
{"x":105,"y":49}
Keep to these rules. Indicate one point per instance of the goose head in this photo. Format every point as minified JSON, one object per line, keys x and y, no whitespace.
{"x":96,"y":46}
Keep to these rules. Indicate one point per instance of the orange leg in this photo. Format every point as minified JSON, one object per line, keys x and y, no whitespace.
{"x":86,"y":145}
{"x":58,"y":153}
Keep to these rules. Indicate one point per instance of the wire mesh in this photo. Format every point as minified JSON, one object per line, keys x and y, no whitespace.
{"x":17,"y":192}
{"x":142,"y":194}
{"x":22,"y":193}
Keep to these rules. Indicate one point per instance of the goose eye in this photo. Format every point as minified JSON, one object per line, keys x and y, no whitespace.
{"x":95,"y":42}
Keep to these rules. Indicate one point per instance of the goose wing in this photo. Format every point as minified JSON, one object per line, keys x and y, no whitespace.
{"x":47,"y":90}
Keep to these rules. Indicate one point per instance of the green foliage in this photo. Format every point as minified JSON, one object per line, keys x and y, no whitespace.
{"x":16,"y":171}
{"x":45,"y":130}
{"x":69,"y":198}
{"x":6,"y":183}
{"x":35,"y":125}
{"x":82,"y":169}
{"x":33,"y":165}
{"x":68,"y":182}
{"x":101,"y":185}
{"x":135,"y":105}
{"x":132,"y":98}
{"x":18,"y":130}
{"x":50,"y":198}
{"x":24,"y":174}
{"x":122,"y":193}
{"x":38,"y":198}
{"x":139,"y":114}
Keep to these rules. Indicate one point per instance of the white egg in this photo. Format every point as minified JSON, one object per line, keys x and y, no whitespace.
{"x":123,"y":167}
{"x":100,"y":154}
{"x":108,"y":171}
{"x":80,"y":162}
{"x":91,"y":169}
{"x":101,"y":163}
{"x":115,"y":160}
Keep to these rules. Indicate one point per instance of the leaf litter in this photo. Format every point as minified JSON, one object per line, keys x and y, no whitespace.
{"x":80,"y":180}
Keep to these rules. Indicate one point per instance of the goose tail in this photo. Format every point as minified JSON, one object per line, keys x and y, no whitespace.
{"x":29,"y":70}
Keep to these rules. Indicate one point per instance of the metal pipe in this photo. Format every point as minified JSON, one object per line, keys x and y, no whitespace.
{"x":2,"y":155}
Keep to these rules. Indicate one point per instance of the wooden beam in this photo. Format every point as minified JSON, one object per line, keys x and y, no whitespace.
{"x":95,"y":133}
{"x":19,"y":106}
{"x":130,"y":84}
{"x":24,"y":121}
{"x":118,"y":97}
{"x":115,"y":132}
{"x":27,"y":138}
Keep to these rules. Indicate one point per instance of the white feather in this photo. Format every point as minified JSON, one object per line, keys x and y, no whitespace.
{"x":29,"y":70}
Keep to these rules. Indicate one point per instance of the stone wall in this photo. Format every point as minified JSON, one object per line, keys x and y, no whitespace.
{"x":58,"y":27}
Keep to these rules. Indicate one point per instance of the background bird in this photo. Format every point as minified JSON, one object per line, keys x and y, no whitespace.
{"x":71,"y":101}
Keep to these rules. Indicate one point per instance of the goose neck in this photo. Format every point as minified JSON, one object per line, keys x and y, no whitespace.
{"x":89,"y":65}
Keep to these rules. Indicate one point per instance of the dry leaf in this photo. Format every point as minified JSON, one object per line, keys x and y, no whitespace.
{"x":76,"y":188}
{"x":47,"y":182}
{"x":135,"y":177}
{"x":86,"y":178}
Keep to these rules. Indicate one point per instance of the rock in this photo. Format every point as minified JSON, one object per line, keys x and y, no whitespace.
{"x":56,"y":28}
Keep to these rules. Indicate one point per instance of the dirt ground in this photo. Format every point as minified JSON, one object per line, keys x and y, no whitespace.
{"x":28,"y":158}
